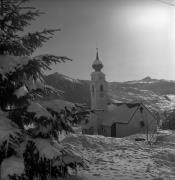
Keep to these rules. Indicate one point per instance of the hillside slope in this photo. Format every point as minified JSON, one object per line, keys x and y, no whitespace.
{"x":76,"y":91}
{"x":157,"y":94}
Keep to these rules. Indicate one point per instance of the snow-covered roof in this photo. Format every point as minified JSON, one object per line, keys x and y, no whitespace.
{"x":119,"y":112}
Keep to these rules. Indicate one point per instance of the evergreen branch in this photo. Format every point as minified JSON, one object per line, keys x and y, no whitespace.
{"x":11,"y":14}
{"x":47,"y":59}
{"x":21,"y":2}
{"x":28,"y":8}
{"x":13,"y":5}
{"x":16,"y":98}
{"x":13,"y":47}
{"x":26,"y":45}
{"x":13,"y":21}
{"x":40,"y":93}
{"x":35,"y":66}
{"x":35,"y":40}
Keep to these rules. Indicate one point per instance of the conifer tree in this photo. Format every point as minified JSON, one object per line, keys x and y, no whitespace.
{"x":29,"y":132}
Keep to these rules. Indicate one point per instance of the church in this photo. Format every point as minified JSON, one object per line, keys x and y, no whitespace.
{"x":111,"y":118}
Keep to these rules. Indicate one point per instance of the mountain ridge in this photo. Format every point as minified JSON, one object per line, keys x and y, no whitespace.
{"x":158,"y":94}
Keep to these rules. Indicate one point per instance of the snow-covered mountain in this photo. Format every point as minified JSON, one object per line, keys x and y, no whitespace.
{"x":158,"y":94}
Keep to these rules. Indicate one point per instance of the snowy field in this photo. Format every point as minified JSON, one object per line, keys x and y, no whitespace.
{"x":125,"y":158}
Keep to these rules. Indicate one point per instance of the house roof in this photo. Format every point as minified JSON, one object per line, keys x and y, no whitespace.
{"x":120,"y":113}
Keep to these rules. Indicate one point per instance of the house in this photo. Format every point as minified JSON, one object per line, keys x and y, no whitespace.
{"x":124,"y":119}
{"x":115,"y":119}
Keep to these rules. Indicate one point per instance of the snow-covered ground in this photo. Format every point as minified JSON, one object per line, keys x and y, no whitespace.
{"x":124,"y":158}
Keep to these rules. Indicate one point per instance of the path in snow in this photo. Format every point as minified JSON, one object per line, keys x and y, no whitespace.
{"x":124,"y":158}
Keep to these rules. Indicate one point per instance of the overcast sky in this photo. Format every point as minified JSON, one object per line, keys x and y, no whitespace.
{"x":135,"y":38}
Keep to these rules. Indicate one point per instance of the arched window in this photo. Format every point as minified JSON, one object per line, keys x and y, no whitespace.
{"x":101,"y":88}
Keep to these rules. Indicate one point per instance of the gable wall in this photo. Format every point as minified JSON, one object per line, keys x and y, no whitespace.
{"x":131,"y":128}
{"x":134,"y":126}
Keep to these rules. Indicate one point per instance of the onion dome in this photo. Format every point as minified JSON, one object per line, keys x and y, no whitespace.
{"x":97,"y":64}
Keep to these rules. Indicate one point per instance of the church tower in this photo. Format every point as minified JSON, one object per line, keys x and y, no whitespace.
{"x":98,"y":90}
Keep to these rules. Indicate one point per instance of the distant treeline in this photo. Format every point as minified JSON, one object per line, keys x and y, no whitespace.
{"x":169,"y":120}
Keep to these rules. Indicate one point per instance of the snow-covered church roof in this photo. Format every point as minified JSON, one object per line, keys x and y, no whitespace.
{"x":119,"y":113}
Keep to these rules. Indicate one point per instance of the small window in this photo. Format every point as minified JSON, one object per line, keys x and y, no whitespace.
{"x":101,"y":88}
{"x":142,"y":124}
{"x":141,"y":109}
